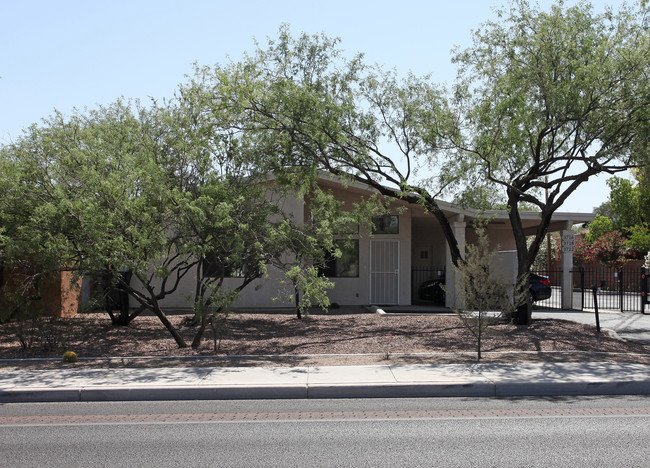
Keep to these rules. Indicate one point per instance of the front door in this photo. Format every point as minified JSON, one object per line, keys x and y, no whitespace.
{"x":384,"y":271}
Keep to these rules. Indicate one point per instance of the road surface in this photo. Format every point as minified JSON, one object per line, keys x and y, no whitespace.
{"x":572,"y":432}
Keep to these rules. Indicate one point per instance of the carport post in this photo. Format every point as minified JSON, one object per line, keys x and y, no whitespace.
{"x":568,"y":240}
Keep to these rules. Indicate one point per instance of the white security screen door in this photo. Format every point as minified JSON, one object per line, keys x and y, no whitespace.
{"x":384,"y":271}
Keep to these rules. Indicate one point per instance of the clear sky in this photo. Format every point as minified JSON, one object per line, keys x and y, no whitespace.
{"x":66,"y":54}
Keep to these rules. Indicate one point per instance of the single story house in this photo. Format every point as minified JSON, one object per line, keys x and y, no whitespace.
{"x":407,"y":247}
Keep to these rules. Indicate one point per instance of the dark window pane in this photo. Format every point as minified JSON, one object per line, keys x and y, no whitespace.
{"x":347,"y":265}
{"x":388,"y":224}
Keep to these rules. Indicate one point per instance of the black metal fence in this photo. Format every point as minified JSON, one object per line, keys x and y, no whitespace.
{"x":626,"y":290}
{"x":645,"y":287}
{"x":426,"y":285}
{"x":616,"y":289}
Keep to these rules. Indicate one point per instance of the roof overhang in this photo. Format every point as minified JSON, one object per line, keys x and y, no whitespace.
{"x":530,"y":219}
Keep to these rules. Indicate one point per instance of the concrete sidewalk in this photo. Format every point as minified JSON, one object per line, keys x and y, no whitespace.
{"x":385,"y":381}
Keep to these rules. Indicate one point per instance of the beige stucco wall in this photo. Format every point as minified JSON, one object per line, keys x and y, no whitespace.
{"x":356,"y":291}
{"x":421,"y":245}
{"x":263,"y":292}
{"x":428,"y":243}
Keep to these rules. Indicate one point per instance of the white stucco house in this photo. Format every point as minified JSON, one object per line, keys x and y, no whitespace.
{"x":385,"y":267}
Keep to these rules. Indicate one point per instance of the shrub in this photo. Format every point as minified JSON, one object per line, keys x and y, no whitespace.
{"x":484,"y":300}
{"x":583,"y":253}
{"x":69,"y":356}
{"x":611,"y":249}
{"x":640,"y":239}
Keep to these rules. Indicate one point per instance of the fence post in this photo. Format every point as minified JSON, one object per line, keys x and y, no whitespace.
{"x":620,"y":288}
{"x":644,"y":290}
{"x":582,"y":288}
{"x":595,"y":291}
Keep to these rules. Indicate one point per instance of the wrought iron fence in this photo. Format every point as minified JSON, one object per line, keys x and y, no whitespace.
{"x":645,"y":288}
{"x":616,"y":289}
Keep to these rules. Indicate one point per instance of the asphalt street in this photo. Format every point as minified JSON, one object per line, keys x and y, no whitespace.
{"x":570,"y":431}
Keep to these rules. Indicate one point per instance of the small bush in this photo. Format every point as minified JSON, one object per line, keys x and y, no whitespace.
{"x":483,"y":300}
{"x":35,"y":330}
{"x":69,"y":356}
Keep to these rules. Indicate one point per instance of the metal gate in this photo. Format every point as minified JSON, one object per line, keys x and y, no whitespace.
{"x":616,"y":289}
{"x":427,"y":285}
{"x":384,"y":271}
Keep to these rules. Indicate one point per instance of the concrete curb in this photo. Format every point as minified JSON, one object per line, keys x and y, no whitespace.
{"x":323,"y":391}
{"x":572,"y":389}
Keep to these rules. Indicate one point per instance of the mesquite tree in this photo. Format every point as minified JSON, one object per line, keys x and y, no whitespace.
{"x":154,"y":192}
{"x":549,"y":99}
{"x":544,"y":100}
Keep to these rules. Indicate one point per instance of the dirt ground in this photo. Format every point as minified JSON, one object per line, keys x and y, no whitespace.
{"x":265,"y":339}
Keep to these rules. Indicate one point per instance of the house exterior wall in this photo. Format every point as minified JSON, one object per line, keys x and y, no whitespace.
{"x":357,"y":291}
{"x":421,"y":245}
{"x":263,"y":292}
{"x":428,"y":244}
{"x":499,"y":236}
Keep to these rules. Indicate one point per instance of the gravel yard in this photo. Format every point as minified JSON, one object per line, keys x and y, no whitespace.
{"x":321,"y":339}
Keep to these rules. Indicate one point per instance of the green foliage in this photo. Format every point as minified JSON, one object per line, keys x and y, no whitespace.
{"x":604,"y":209}
{"x":312,"y":109}
{"x":625,"y":202}
{"x":544,"y":100}
{"x":597,"y":228}
{"x":310,"y":289}
{"x":639,"y":240}
{"x":92,"y":197}
{"x":213,"y":309}
{"x":629,"y":206}
{"x":153,"y":191}
{"x":549,"y":99}
{"x":69,"y":356}
{"x":485,"y":300}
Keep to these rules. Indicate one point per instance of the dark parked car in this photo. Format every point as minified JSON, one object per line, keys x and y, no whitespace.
{"x":540,"y":287}
{"x":432,"y":290}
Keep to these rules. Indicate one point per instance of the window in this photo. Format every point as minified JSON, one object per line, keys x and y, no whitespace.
{"x":348,"y":228}
{"x":213,"y":267}
{"x":347,"y":265}
{"x":388,"y":224}
{"x":341,"y":227}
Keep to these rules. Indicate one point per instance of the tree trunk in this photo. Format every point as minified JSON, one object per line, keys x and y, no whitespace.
{"x":480,"y":335}
{"x":196,"y":342}
{"x":297,"y":297}
{"x":524,"y":311}
{"x":168,"y":325}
